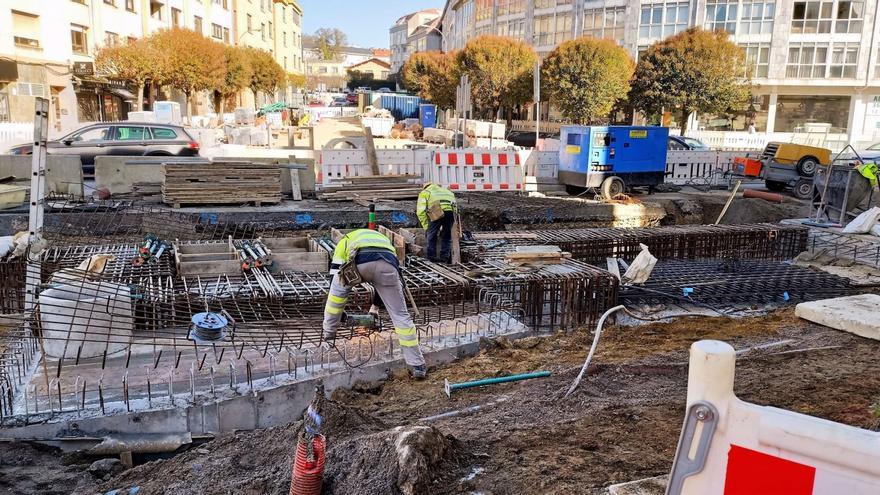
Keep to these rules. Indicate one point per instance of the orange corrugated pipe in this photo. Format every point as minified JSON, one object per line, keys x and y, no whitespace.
{"x":308,"y":472}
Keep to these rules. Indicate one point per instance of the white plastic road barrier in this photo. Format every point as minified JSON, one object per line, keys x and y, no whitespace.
{"x":730,"y":447}
{"x":477,"y":170}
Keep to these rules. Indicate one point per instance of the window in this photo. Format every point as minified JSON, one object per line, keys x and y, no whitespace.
{"x":79,"y":39}
{"x":26,"y":29}
{"x":163,"y":133}
{"x":552,"y":29}
{"x":757,"y":59}
{"x":844,"y":59}
{"x":30,"y":89}
{"x":226,"y":35}
{"x":662,"y":20}
{"x":222,"y":3}
{"x":81,"y":2}
{"x":807,"y":60}
{"x":91,"y":134}
{"x":812,"y":17}
{"x":156,"y":10}
{"x":507,"y":7}
{"x":197,"y":24}
{"x":250,"y":21}
{"x":216,"y":31}
{"x":175,"y":17}
{"x":336,"y":71}
{"x":129,"y":5}
{"x":130,"y":133}
{"x":111,"y":39}
{"x":605,"y":23}
{"x":110,"y":2}
{"x":549,"y":4}
{"x":284,"y":39}
{"x":514,"y":28}
{"x":849,"y":16}
{"x":483,"y":10}
{"x":757,"y":17}
{"x":263,"y":30}
{"x":271,"y":31}
{"x":792,"y":112}
{"x":285,"y":62}
{"x":721,"y":14}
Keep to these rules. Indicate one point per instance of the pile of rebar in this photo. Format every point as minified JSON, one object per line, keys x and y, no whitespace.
{"x":731,"y":283}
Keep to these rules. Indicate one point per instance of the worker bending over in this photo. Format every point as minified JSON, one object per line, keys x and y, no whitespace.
{"x":436,"y":211}
{"x":373,"y":258}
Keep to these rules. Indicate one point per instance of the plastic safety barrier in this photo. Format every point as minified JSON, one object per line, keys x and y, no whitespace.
{"x":478,"y":170}
{"x":731,"y":447}
{"x":338,"y":165}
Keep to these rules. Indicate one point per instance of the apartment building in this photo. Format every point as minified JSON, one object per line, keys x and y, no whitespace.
{"x":415,"y":32}
{"x":47,"y":48}
{"x":276,"y":27}
{"x":814,"y":63}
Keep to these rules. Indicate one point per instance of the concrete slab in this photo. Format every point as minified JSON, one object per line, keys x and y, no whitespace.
{"x":853,"y":314}
{"x":647,"y":486}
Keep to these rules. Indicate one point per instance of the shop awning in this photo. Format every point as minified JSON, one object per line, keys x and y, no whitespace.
{"x":123,"y":93}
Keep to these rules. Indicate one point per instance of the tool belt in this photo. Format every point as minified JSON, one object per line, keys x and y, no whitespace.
{"x":348,"y":274}
{"x":436,"y":211}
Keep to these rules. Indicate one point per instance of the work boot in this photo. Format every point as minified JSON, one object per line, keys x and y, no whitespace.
{"x":418,"y":372}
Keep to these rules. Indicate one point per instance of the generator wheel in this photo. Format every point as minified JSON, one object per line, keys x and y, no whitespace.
{"x":611,"y":187}
{"x":803,"y":189}
{"x":774,"y":185}
{"x":807,"y":166}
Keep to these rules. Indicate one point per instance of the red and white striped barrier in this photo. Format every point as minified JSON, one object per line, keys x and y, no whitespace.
{"x":477,"y":170}
{"x":731,"y":447}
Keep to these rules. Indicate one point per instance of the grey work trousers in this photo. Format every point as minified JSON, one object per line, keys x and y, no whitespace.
{"x":385,"y":280}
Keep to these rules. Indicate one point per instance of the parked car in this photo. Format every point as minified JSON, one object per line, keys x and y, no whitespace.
{"x":119,"y":138}
{"x":871,"y":153}
{"x":383,"y":90}
{"x":339,"y":102}
{"x":677,"y":143}
{"x":352,"y":98}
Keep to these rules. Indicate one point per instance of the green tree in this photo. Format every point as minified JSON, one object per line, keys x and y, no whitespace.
{"x":196,"y":63}
{"x":500,"y":72}
{"x":586,"y":77}
{"x":329,"y":42}
{"x":266,"y":74}
{"x":236,"y":78}
{"x":693,"y":71}
{"x":135,"y":62}
{"x":433,"y":76}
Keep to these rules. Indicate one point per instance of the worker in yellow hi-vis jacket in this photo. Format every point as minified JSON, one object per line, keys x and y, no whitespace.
{"x":436,"y":211}
{"x":372,"y":255}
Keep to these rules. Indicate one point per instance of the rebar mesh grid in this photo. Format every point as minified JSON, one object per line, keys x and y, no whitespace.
{"x":748,"y":241}
{"x":863,"y":249}
{"x":736,"y":283}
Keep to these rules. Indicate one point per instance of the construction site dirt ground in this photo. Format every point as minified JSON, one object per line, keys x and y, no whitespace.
{"x":621,"y":424}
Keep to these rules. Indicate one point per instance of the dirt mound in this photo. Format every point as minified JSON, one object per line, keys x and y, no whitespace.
{"x":250,"y":462}
{"x":405,"y":460}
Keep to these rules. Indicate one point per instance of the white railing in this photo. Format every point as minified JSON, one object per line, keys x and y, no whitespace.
{"x":13,"y":133}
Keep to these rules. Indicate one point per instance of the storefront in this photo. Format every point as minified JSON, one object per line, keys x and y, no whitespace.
{"x":100,"y":99}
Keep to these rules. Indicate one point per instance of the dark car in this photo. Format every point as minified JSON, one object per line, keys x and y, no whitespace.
{"x":119,"y":138}
{"x":677,"y":143}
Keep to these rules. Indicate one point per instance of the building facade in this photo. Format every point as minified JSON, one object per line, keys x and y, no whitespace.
{"x":47,"y":49}
{"x":814,"y":63}
{"x":274,"y":26}
{"x":416,"y":32}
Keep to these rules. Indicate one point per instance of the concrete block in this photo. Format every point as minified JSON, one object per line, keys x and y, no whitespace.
{"x":63,"y":172}
{"x":853,"y":314}
{"x":119,"y":173}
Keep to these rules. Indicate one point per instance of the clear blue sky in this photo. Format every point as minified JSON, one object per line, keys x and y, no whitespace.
{"x":365,"y":22}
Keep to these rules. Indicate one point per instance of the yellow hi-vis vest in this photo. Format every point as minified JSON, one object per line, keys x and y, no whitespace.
{"x":355,"y":240}
{"x":430,"y":194}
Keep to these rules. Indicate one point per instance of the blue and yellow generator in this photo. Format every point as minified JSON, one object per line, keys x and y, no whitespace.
{"x":612,"y":158}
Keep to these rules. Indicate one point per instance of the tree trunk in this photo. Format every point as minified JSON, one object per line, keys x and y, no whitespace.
{"x":140,"y":96}
{"x":222,"y":108}
{"x":256,"y":103}
{"x":684,"y":121}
